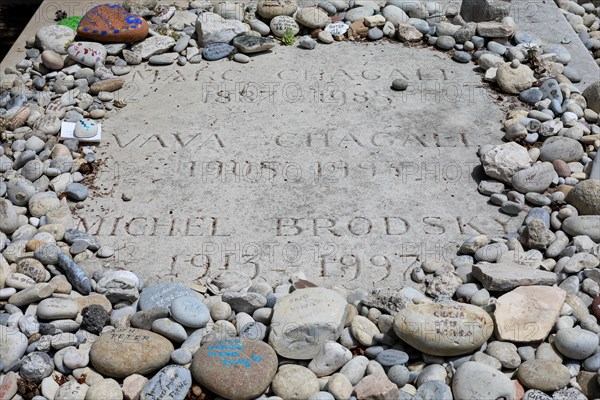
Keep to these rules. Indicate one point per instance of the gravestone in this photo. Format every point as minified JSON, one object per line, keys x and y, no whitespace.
{"x":297,"y":162}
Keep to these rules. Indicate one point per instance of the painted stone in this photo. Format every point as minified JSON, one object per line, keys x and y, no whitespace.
{"x":87,"y":53}
{"x":112,"y":23}
{"x":235,"y":368}
{"x":85,"y":128}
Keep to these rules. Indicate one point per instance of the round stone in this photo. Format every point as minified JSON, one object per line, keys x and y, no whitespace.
{"x":585,"y":196}
{"x":374,"y":34}
{"x":190,"y":311}
{"x":577,"y":344}
{"x":461,"y":57}
{"x":561,"y":148}
{"x":36,"y":366}
{"x":462,"y":327}
{"x":105,"y":389}
{"x":445,"y":42}
{"x":76,"y":191}
{"x":126,"y":351}
{"x":236,"y":368}
{"x":294,"y":382}
{"x":544,"y":375}
{"x":474,"y":380}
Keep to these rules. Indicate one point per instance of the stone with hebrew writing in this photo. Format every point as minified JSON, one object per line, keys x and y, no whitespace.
{"x":304,"y":320}
{"x":447,"y":328}
{"x":127,"y":351}
{"x":235,"y":368}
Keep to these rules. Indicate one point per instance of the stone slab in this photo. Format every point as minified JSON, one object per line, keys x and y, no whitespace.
{"x":505,"y":277}
{"x":544,"y":20}
{"x":296,"y":162}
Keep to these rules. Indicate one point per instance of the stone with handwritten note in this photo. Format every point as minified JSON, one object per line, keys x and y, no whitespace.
{"x":126,"y":351}
{"x":235,"y":368}
{"x":304,"y":320}
{"x":162,"y":295}
{"x":172,"y":382}
{"x":528,"y":313}
{"x":444,"y":329}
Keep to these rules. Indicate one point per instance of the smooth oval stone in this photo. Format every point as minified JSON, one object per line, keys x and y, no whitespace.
{"x":127,"y":351}
{"x":391,"y":357}
{"x":87,"y":53}
{"x":235,"y":368}
{"x":172,"y":382}
{"x":280,"y":24}
{"x":190,"y":312}
{"x":170,"y":329}
{"x":241,"y":58}
{"x":577,"y":344}
{"x":444,"y":329}
{"x":561,"y":148}
{"x":112,"y":23}
{"x":217,"y":51}
{"x":474,"y":380}
{"x":543,"y":375}
{"x":161,"y":59}
{"x":57,"y":308}
{"x":85,"y":128}
{"x":162,"y":295}
{"x":461,"y":57}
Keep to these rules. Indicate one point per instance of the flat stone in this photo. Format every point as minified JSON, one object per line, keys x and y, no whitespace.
{"x":561,"y":148}
{"x":544,"y":375}
{"x":161,"y":295}
{"x":217,"y":51}
{"x":462,"y":327}
{"x":87,"y":53}
{"x":172,"y":382}
{"x":376,"y":386}
{"x":212,"y":28}
{"x":474,"y":380}
{"x":54,"y":37}
{"x":252,"y":44}
{"x":126,"y":351}
{"x":235,"y":368}
{"x":583,"y":225}
{"x":505,"y":277}
{"x":492,"y":29}
{"x":528,"y":314}
{"x":57,"y":308}
{"x":537,"y":178}
{"x":294,"y":382}
{"x":190,"y":312}
{"x":304,"y":320}
{"x":153,"y":46}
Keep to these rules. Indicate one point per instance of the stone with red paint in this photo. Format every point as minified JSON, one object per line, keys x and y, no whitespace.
{"x":87,"y":53}
{"x":113,"y":24}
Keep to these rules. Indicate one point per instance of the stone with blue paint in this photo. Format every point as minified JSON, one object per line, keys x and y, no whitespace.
{"x":217,"y":51}
{"x":85,"y":128}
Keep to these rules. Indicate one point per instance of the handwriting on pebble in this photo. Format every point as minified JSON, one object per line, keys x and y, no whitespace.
{"x":229,"y":352}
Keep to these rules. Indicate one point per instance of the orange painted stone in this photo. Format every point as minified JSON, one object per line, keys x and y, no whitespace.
{"x":113,"y":24}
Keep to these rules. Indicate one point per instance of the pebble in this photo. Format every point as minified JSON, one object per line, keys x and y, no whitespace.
{"x":106,"y":389}
{"x":190,"y":312}
{"x":543,"y":375}
{"x":490,"y":383}
{"x":577,"y":344}
{"x":330,"y":358}
{"x":400,"y":84}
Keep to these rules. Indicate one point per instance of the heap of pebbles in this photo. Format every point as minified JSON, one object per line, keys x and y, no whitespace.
{"x":584,"y":20}
{"x":509,"y":317}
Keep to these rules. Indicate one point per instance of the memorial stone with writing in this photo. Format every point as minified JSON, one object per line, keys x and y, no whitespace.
{"x":162,"y":295}
{"x":252,"y":44}
{"x":153,"y":45}
{"x":527,"y":314}
{"x":235,"y":368}
{"x":217,"y":51}
{"x":190,"y":311}
{"x":304,"y":320}
{"x":282,"y":23}
{"x":126,"y":351}
{"x":54,"y":37}
{"x":444,"y":329}
{"x":172,"y":382}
